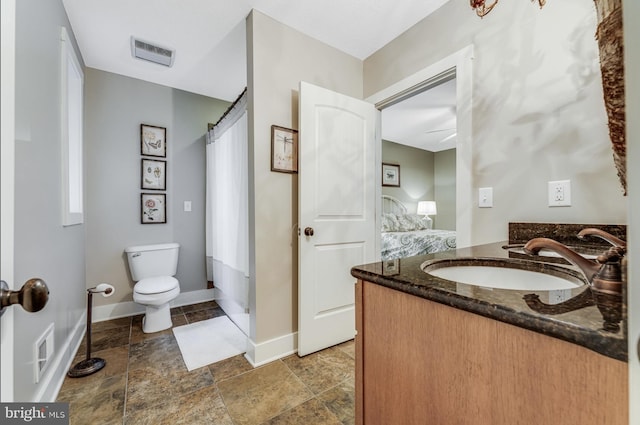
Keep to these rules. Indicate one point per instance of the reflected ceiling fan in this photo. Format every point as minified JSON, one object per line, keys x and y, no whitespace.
{"x":451,"y":136}
{"x":446,"y":139}
{"x":440,"y":130}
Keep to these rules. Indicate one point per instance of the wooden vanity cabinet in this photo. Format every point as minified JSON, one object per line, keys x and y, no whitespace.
{"x":419,"y":362}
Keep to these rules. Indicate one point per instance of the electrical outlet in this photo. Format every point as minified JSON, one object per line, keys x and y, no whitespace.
{"x":559,"y":193}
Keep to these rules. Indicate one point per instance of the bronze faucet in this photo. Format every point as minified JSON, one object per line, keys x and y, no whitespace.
{"x":604,"y":274}
{"x":610,"y":306}
{"x":617,"y":242}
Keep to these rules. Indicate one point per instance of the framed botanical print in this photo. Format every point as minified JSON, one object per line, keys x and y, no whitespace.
{"x":284,"y":149}
{"x":390,"y":175}
{"x":153,"y":207}
{"x":154,"y":174}
{"x":153,"y":140}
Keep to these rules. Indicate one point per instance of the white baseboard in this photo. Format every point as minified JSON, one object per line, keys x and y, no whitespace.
{"x":54,"y":377}
{"x":274,"y":349}
{"x":130,"y":308}
{"x":114,"y":311}
{"x":193,"y":297}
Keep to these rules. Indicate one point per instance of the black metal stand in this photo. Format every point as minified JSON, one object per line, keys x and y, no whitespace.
{"x":88,"y":365}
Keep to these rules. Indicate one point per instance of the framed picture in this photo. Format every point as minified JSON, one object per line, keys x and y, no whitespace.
{"x":153,"y":207}
{"x":284,"y":149}
{"x":154,"y":174}
{"x":153,"y":140}
{"x":390,"y":175}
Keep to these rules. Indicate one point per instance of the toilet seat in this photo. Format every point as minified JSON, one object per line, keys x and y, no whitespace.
{"x":156,"y":285}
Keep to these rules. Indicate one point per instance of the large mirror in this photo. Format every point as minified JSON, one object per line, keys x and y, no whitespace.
{"x":611,"y":48}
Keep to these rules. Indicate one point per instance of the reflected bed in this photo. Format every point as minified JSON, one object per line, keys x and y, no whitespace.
{"x":406,"y":235}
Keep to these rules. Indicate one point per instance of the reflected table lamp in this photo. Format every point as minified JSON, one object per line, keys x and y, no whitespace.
{"x":427,"y":208}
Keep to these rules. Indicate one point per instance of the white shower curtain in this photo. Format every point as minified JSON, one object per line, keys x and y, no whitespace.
{"x":227,"y":225}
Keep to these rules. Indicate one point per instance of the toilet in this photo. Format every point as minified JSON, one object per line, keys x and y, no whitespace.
{"x":152,"y":268}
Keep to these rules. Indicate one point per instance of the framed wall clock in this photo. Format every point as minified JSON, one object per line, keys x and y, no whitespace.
{"x":284,"y":149}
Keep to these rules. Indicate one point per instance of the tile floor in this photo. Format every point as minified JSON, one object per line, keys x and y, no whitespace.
{"x":145,"y":381}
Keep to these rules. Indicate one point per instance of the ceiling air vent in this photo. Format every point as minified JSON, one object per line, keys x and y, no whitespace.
{"x":152,"y":53}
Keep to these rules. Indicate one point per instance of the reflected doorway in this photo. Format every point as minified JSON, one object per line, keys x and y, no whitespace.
{"x":419,"y":133}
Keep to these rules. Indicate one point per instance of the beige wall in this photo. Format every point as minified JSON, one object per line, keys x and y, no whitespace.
{"x":424,"y":176}
{"x":537,"y":110}
{"x":444,"y":176}
{"x":416,"y":174}
{"x":278,"y":59}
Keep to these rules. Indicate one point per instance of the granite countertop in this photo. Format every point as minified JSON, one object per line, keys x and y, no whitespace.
{"x":582,"y":316}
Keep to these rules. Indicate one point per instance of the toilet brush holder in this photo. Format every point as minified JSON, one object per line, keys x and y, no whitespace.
{"x":90,"y":365}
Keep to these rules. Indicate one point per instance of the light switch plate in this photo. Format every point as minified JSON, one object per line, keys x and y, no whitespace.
{"x":485,"y":197}
{"x":187,"y":206}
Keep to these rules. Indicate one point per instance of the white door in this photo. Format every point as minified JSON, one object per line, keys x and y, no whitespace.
{"x":7,"y":143}
{"x":336,"y":195}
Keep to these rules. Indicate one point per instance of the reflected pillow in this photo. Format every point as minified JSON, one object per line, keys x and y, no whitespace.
{"x":389,"y":222}
{"x":405,"y":222}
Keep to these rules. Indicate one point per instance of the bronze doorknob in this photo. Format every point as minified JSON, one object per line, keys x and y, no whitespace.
{"x":33,"y":295}
{"x":308,"y":231}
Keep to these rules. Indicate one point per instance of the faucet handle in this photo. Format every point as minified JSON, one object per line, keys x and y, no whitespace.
{"x":612,"y":255}
{"x":609,"y":278}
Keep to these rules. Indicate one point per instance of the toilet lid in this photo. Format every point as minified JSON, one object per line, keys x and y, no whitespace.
{"x":156,"y":285}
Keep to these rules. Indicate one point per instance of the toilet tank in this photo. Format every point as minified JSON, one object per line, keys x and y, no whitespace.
{"x":152,"y":260}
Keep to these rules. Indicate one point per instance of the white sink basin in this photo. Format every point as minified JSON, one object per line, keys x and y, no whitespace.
{"x":503,"y":274}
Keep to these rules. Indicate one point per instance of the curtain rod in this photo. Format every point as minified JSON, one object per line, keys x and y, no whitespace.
{"x":229,"y":109}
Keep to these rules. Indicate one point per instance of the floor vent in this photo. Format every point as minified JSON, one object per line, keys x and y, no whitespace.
{"x":43,"y":353}
{"x":151,"y":52}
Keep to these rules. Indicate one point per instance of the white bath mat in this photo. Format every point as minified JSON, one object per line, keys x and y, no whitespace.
{"x":209,"y":341}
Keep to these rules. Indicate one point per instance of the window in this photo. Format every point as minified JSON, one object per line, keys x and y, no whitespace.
{"x":72,"y":82}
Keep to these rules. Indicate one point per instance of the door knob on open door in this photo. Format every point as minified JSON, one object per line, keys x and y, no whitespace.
{"x":308,"y":231}
{"x":33,"y":295}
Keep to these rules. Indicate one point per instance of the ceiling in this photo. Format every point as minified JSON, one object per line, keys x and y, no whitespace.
{"x":425,"y":121}
{"x":209,"y":39}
